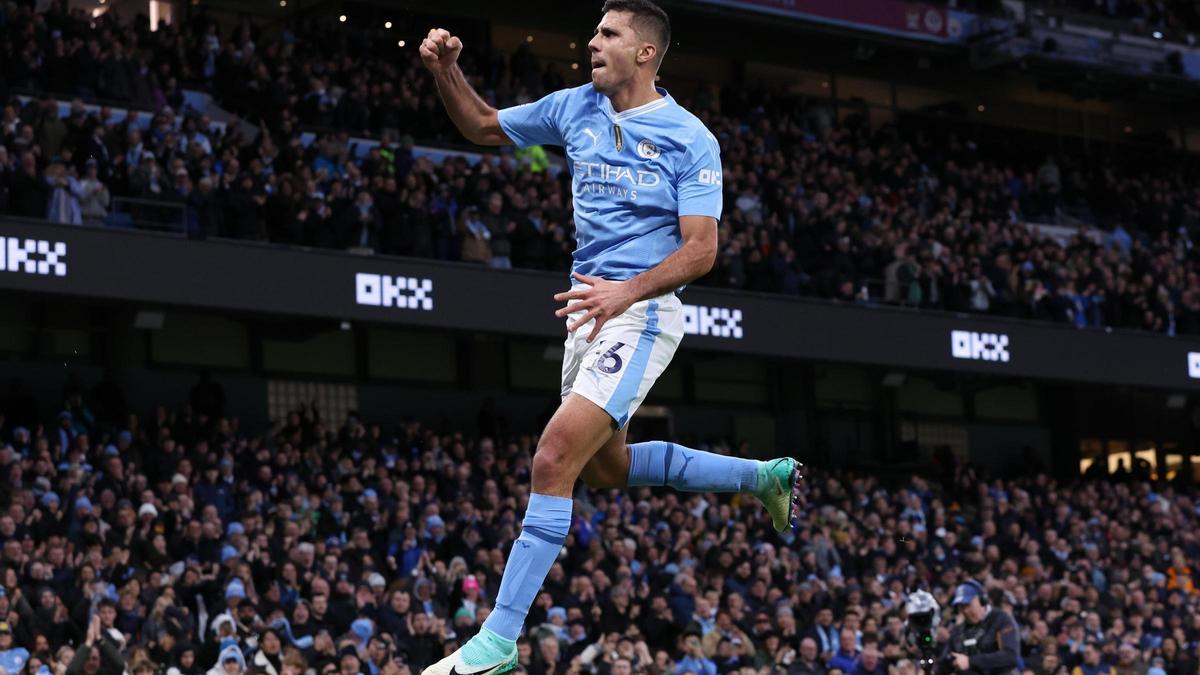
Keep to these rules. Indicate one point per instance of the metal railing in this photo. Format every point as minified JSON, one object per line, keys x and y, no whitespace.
{"x":147,"y":214}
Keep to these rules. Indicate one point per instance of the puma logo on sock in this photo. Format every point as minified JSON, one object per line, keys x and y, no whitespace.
{"x":686,"y":459}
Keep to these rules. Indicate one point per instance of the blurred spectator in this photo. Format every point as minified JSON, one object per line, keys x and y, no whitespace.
{"x":500,"y":227}
{"x":65,"y":193}
{"x":476,"y":237}
{"x":95,"y":197}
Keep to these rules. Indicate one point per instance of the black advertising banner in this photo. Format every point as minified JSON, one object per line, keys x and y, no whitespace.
{"x":234,"y":275}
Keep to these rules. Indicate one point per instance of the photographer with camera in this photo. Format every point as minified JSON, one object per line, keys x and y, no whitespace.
{"x":985,"y":642}
{"x":922,"y":618}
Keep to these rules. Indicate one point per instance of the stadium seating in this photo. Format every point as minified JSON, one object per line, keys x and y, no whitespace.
{"x":842,"y":211}
{"x":323,"y":545}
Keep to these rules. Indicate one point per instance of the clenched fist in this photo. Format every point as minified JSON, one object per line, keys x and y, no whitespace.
{"x":440,"y":50}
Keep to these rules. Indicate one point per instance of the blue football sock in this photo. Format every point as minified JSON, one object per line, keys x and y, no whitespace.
{"x":688,"y":470}
{"x":547,"y":521}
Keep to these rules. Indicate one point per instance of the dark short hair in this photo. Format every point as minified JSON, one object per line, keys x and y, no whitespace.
{"x":649,"y":20}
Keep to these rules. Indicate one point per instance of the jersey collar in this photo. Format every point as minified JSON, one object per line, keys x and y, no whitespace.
{"x":642,"y":109}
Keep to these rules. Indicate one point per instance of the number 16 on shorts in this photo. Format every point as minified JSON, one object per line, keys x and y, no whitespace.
{"x":605,"y":358}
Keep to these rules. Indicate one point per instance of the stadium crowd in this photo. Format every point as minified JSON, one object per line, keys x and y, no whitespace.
{"x":1176,"y":20}
{"x":1172,"y":19}
{"x":183,"y":543}
{"x":814,"y":206}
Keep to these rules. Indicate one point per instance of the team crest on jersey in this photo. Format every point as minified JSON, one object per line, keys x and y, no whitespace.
{"x":647,"y":150}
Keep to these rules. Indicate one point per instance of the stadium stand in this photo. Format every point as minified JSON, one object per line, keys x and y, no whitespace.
{"x":817,"y":207}
{"x":346,"y":546}
{"x":1172,"y":20}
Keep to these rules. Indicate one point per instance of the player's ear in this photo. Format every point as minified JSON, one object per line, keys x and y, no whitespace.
{"x":647,"y":53}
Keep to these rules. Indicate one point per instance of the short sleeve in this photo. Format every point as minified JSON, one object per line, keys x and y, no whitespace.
{"x":537,"y":123}
{"x":699,"y":178}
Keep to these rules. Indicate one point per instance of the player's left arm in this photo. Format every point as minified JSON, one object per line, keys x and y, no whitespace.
{"x":700,"y":196}
{"x":606,"y":299}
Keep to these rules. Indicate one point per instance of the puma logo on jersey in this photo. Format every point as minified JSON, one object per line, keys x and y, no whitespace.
{"x":595,"y":137}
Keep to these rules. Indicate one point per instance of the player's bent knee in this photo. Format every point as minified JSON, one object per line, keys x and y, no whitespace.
{"x":550,"y":458}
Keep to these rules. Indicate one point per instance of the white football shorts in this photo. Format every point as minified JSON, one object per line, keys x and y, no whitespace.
{"x":616,"y":370}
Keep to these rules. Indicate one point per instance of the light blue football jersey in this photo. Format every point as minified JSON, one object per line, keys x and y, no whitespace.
{"x":629,"y":188}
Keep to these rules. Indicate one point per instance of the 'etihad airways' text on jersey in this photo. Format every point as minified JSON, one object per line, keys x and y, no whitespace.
{"x":633,"y":174}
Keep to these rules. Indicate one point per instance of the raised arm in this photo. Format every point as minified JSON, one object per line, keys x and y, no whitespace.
{"x":472,"y":115}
